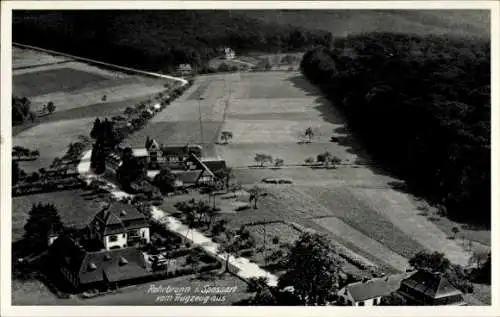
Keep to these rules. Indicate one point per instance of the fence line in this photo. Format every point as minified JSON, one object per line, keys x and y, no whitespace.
{"x":92,"y":61}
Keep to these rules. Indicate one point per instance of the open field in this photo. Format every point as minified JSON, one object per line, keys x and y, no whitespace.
{"x":140,"y":295}
{"x":76,"y":208}
{"x":267,"y":112}
{"x":76,"y":89}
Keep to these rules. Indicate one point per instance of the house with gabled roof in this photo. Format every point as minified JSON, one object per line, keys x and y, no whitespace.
{"x":100,"y":269}
{"x":368,"y":292}
{"x":428,"y":288}
{"x":119,"y":225}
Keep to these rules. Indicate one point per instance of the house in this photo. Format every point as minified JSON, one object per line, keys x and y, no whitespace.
{"x":368,"y":292}
{"x":428,"y":288}
{"x":119,"y":225}
{"x":98,"y":270}
{"x":214,"y":163}
{"x":173,"y":157}
{"x":229,"y":53}
{"x":113,"y":162}
{"x":185,"y":69}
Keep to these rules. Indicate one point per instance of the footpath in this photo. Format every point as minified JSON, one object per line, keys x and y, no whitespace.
{"x":245,"y":268}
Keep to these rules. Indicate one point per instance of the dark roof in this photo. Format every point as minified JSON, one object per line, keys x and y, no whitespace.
{"x":430,"y":284}
{"x":374,"y":288}
{"x":181,"y":150}
{"x":187,"y":177}
{"x":150,"y":143}
{"x":116,"y":265}
{"x":118,"y":217}
{"x":215,"y":165}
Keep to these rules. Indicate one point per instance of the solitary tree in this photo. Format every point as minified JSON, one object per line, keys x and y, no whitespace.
{"x":229,"y":245}
{"x":309,"y":133}
{"x":278,"y":162}
{"x":313,"y":269}
{"x":224,"y":174}
{"x":226,"y":136}
{"x":262,"y":158}
{"x":455,"y":231}
{"x":255,"y":193}
{"x":51,"y":107}
{"x":309,"y":160}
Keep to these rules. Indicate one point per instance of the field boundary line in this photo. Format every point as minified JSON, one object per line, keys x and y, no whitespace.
{"x":92,"y":61}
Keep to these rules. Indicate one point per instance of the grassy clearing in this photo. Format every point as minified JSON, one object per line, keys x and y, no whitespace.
{"x":399,"y":209}
{"x":76,"y":207}
{"x":48,"y":81}
{"x":343,"y":204}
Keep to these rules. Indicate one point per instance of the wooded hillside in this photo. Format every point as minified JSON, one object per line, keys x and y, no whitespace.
{"x":158,"y":39}
{"x":421,"y":106}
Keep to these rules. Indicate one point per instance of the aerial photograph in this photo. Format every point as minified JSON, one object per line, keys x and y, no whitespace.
{"x":251,"y":157}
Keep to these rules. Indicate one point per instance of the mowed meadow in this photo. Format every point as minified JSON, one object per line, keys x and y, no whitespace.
{"x":355,"y":204}
{"x":77,"y":91}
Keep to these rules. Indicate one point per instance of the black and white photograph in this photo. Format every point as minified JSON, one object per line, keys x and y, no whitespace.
{"x":239,"y":155}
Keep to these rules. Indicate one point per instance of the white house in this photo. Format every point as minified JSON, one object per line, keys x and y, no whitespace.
{"x":369,"y":292}
{"x":120,"y":225}
{"x":229,"y":53}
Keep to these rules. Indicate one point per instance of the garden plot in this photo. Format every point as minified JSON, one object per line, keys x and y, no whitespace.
{"x":398,"y":208}
{"x":265,"y":233}
{"x":384,"y":254}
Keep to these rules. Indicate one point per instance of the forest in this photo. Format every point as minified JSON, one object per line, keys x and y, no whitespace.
{"x":421,"y":106}
{"x":158,"y":40}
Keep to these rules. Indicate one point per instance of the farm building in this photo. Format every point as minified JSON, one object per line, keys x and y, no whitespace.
{"x":369,"y":292}
{"x":427,"y":288}
{"x":119,"y":225}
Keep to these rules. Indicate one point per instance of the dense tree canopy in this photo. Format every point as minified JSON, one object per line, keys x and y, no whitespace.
{"x":21,"y":110}
{"x":43,"y":220}
{"x":421,"y":106}
{"x":157,"y":39}
{"x":313,"y":268}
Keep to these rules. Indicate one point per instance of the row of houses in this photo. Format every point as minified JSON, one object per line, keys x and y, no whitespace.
{"x":418,"y":288}
{"x":186,"y":162}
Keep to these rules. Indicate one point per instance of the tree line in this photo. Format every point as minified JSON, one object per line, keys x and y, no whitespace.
{"x":421,"y":106}
{"x":158,"y":39}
